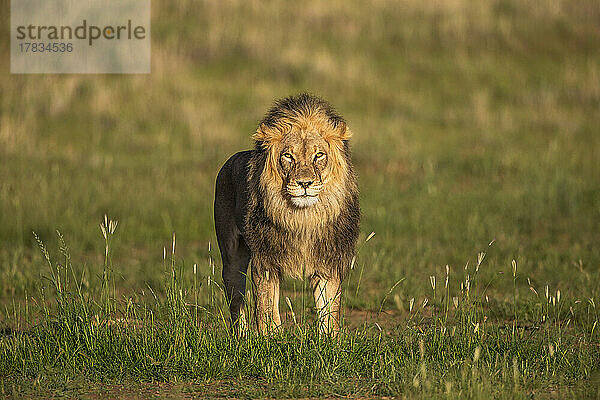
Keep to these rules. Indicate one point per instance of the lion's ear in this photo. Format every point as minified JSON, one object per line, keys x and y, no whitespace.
{"x":344,"y":132}
{"x":339,"y":133}
{"x":260,"y":134}
{"x":266,"y":134}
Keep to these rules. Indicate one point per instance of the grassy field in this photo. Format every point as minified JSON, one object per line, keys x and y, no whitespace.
{"x":477,"y":147}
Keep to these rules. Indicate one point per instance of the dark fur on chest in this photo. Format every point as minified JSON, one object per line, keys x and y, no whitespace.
{"x":326,"y":251}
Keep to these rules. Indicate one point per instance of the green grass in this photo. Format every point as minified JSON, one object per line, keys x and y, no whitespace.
{"x":444,"y":347}
{"x":473,"y":122}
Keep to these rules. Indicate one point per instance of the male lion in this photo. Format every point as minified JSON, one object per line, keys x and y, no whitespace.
{"x":289,"y":207}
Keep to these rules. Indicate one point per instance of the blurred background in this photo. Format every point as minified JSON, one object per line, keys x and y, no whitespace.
{"x":473,"y":122}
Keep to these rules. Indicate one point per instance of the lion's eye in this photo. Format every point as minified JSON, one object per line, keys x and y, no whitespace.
{"x":319,"y":155}
{"x":287,"y":157}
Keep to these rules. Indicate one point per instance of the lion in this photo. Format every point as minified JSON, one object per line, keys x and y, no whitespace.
{"x":289,"y":207}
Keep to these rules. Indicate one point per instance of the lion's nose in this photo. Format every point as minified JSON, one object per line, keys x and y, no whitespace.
{"x":304,"y":184}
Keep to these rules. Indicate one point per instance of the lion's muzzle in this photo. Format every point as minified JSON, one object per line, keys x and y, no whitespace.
{"x":304,"y":193}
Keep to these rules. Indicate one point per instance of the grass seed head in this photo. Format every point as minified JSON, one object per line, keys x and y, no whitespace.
{"x":113,"y":226}
{"x":108,"y":226}
{"x":370,"y":236}
{"x":480,"y":258}
{"x":533,"y":290}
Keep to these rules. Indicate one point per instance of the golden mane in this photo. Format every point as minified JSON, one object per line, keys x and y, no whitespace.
{"x":337,"y":185}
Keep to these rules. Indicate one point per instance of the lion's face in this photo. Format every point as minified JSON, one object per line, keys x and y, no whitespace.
{"x":307,"y":176}
{"x":304,"y":167}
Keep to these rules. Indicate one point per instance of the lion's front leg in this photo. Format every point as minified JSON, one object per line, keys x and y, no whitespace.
{"x":327,"y":293}
{"x":266,"y":299}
